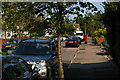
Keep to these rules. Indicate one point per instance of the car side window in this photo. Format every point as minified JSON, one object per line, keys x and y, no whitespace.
{"x":25,"y":68}
{"x":54,"y":46}
{"x":4,"y":76}
{"x":12,"y":69}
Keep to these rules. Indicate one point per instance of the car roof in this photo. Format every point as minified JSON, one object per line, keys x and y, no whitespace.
{"x":72,"y":37}
{"x":38,"y":40}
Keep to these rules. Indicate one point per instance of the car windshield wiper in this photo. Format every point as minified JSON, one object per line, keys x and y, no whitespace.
{"x":25,"y":54}
{"x":34,"y":54}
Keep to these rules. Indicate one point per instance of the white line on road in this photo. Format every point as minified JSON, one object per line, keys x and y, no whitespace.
{"x":73,"y":58}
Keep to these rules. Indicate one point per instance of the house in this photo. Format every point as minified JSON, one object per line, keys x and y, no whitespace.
{"x":77,"y":26}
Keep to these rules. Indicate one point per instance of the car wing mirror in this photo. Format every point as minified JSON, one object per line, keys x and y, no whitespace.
{"x":9,"y":51}
{"x":55,"y":53}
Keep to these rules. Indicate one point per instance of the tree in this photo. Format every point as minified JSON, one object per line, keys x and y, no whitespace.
{"x":69,"y":29}
{"x":16,"y":15}
{"x":22,"y":16}
{"x":28,"y":15}
{"x":111,"y":21}
{"x":57,"y":12}
{"x":92,"y":21}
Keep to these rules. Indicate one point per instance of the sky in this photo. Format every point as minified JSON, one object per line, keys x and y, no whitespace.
{"x":97,"y":4}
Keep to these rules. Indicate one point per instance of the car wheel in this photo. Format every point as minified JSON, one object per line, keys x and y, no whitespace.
{"x":66,"y":45}
{"x":85,"y":42}
{"x":80,"y":42}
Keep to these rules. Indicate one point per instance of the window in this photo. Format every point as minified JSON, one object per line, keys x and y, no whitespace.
{"x":24,"y":67}
{"x":4,"y":77}
{"x":54,"y":46}
{"x":8,"y":34}
{"x":79,"y":34}
{"x":10,"y":42}
{"x":16,"y":67}
{"x":12,"y":69}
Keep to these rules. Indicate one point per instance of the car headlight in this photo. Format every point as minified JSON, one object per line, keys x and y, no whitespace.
{"x":41,"y":67}
{"x":39,"y":64}
{"x":31,"y":62}
{"x":42,"y":62}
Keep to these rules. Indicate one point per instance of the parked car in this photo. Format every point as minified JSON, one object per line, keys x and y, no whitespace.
{"x":16,"y":68}
{"x":10,"y":45}
{"x":72,"y":41}
{"x":56,"y":38}
{"x":40,"y":53}
{"x":64,"y":38}
{"x":80,"y":35}
{"x":46,"y":37}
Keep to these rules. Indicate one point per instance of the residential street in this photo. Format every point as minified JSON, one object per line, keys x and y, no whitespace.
{"x":88,"y":62}
{"x":60,"y":39}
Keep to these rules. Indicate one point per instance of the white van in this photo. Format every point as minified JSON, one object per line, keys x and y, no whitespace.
{"x":80,"y":34}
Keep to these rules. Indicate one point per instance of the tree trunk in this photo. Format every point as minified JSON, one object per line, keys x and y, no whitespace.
{"x":5,"y":34}
{"x":61,"y":74}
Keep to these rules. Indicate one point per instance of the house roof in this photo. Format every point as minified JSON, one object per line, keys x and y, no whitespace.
{"x":77,"y":25}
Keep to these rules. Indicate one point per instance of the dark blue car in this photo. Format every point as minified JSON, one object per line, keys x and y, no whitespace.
{"x":72,"y":41}
{"x":40,"y":53}
{"x":10,"y":45}
{"x":16,"y":68}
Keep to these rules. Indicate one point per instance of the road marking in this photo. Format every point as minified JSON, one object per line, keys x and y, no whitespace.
{"x":73,"y":58}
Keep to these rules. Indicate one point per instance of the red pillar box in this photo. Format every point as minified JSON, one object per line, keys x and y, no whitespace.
{"x":86,"y":38}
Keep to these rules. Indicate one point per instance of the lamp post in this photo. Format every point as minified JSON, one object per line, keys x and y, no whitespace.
{"x":85,"y":28}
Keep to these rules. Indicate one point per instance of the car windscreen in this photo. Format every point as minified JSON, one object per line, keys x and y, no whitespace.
{"x":79,"y":34}
{"x":33,"y":48}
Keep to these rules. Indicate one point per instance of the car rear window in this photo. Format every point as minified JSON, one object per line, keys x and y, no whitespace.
{"x":10,"y":42}
{"x":79,"y":34}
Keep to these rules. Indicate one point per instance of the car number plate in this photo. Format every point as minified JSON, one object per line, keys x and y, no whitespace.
{"x":8,"y":46}
{"x":70,"y":41}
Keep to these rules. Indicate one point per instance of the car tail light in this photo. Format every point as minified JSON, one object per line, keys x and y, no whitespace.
{"x":67,"y":41}
{"x":75,"y":42}
{"x":3,"y":46}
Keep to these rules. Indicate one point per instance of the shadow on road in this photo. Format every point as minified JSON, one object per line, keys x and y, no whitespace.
{"x":70,"y":47}
{"x":90,"y":63}
{"x":101,"y":54}
{"x":90,"y":71}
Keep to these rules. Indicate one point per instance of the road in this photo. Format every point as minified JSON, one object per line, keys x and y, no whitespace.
{"x":88,"y":62}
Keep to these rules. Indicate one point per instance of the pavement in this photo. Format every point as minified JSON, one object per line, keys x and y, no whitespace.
{"x":91,"y":63}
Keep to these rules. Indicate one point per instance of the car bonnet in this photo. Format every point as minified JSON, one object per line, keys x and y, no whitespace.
{"x":34,"y":57}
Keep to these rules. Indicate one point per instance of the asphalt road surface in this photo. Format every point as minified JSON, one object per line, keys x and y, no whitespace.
{"x":88,"y":62}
